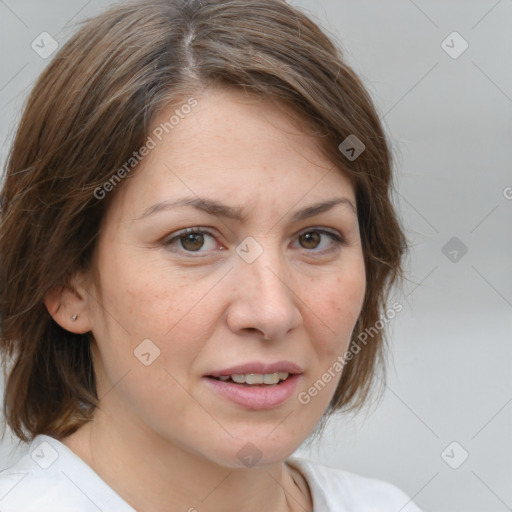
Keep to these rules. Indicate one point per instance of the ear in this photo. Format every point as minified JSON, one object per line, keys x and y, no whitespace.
{"x":65,"y":302}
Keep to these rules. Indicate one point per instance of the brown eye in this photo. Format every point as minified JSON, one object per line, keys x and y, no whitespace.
{"x":310,"y":240}
{"x":320,"y":241}
{"x":192,"y":241}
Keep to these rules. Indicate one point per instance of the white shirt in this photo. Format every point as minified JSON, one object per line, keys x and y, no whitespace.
{"x":52,"y":478}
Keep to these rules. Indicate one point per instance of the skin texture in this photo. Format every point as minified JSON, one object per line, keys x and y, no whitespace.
{"x":161,"y":437}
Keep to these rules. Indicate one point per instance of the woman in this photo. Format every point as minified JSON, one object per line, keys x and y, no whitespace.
{"x":196,"y":227}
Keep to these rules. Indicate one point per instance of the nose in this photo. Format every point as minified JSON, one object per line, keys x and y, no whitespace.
{"x":264,"y":300}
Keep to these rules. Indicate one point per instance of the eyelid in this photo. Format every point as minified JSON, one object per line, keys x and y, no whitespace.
{"x":322,"y":229}
{"x":193,"y":229}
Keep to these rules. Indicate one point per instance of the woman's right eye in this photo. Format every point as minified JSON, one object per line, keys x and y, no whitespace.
{"x":192,"y":240}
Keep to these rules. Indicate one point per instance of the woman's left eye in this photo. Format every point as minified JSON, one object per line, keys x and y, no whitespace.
{"x":320,"y":240}
{"x":193,"y":240}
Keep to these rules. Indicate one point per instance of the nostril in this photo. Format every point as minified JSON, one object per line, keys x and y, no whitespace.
{"x":257,"y":331}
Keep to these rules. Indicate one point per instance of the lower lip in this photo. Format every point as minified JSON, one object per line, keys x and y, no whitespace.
{"x":256,"y":397}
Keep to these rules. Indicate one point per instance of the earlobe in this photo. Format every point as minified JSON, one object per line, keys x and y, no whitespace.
{"x":69,"y":308}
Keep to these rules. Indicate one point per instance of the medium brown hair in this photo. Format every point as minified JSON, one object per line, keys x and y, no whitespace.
{"x":92,"y":108}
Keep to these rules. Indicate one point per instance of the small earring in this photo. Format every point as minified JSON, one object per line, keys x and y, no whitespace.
{"x":74,"y":317}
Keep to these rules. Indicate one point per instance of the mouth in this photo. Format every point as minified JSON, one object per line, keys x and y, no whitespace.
{"x":254,"y":379}
{"x":256,"y":386}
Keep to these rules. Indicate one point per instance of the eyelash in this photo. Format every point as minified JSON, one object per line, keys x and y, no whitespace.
{"x":337,"y":239}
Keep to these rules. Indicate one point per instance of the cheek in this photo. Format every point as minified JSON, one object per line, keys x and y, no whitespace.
{"x":172,"y":310}
{"x":144,"y":295}
{"x":335,"y":306}
{"x":175,"y":315}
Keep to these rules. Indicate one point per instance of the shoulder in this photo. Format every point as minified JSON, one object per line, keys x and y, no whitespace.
{"x":50,"y":477}
{"x":337,"y":489}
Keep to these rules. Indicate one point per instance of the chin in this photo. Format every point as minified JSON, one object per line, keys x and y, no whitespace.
{"x":256,"y":451}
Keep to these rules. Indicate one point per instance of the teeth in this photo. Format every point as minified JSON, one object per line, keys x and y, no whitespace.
{"x":270,"y":378}
{"x":256,"y":378}
{"x":252,"y":378}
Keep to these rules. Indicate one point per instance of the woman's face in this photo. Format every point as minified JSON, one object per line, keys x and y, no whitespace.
{"x":260,"y":280}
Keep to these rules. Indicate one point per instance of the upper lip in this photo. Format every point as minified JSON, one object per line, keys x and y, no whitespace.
{"x":259,"y":368}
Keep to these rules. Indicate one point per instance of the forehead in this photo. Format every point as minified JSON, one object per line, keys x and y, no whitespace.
{"x":236,"y":148}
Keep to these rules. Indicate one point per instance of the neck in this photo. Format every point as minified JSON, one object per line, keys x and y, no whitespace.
{"x":152,"y":474}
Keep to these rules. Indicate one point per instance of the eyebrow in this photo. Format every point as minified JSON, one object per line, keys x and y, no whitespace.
{"x":321,"y":207}
{"x":221,"y":210}
{"x":207,"y":205}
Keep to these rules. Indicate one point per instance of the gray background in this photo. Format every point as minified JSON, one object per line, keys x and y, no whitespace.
{"x":450,"y":122}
